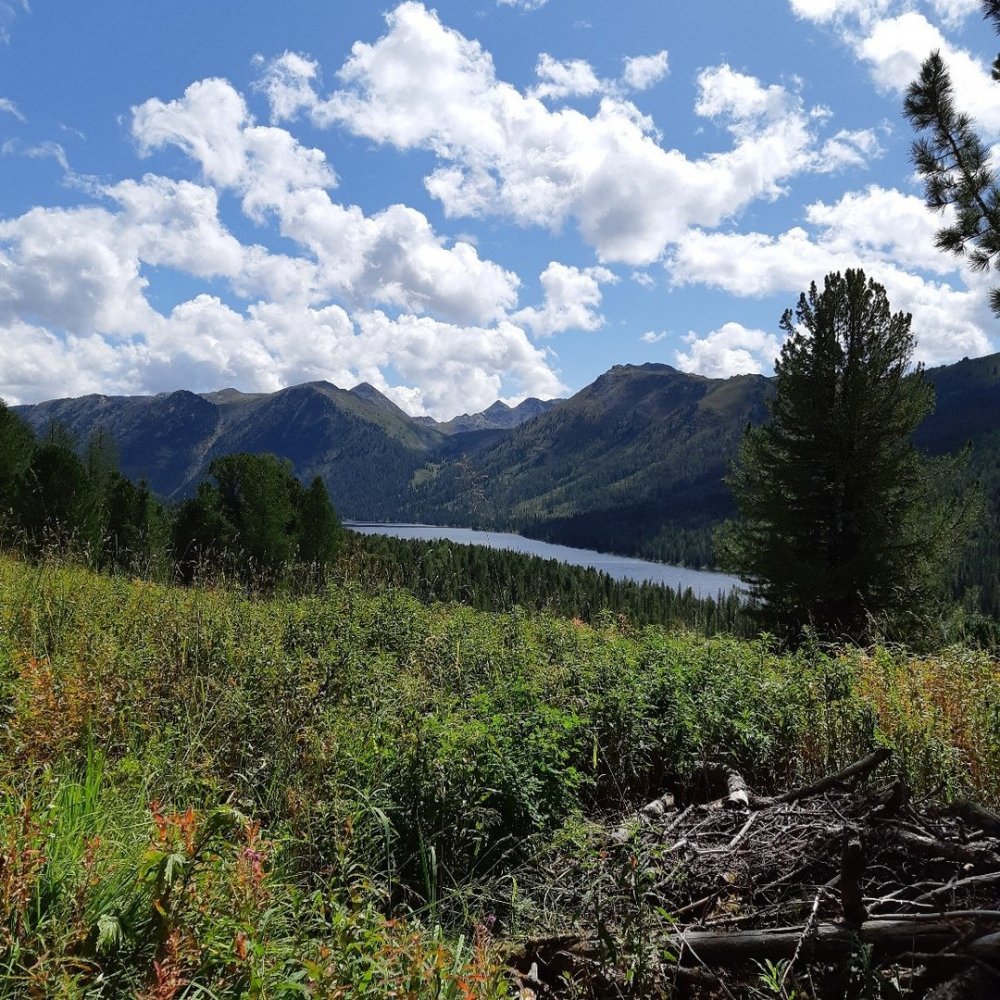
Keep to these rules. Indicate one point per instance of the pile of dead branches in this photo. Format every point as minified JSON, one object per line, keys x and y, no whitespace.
{"x":806,"y":886}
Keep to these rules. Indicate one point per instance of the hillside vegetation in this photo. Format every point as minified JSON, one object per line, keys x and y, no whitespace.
{"x":355,"y":794}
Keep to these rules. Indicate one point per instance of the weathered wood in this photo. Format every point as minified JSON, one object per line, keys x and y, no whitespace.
{"x":658,"y":807}
{"x":852,"y":870}
{"x":821,"y":942}
{"x":825,"y":942}
{"x":928,"y":847}
{"x":985,"y":819}
{"x":859,"y":769}
{"x":950,"y":887}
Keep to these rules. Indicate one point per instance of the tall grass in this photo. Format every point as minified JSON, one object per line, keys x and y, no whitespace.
{"x":206,"y":793}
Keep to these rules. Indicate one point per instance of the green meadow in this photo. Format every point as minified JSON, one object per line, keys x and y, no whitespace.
{"x":207,"y":793}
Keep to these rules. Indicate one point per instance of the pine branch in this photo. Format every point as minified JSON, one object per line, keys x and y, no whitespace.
{"x":954,"y":163}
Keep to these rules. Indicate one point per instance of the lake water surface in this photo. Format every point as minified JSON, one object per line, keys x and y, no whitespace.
{"x":702,"y":583}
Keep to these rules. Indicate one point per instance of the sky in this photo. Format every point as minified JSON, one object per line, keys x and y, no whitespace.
{"x":456,"y":203}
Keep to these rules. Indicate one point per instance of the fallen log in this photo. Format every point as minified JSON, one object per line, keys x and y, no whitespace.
{"x":820,"y":942}
{"x":825,"y":942}
{"x":985,"y":819}
{"x":859,"y":769}
{"x":929,"y":847}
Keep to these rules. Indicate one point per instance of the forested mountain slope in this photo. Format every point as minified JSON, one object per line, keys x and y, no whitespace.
{"x":968,"y":412}
{"x":359,"y":442}
{"x":632,"y":463}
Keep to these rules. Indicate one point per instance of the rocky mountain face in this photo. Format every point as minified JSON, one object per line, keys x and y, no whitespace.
{"x":498,"y":417}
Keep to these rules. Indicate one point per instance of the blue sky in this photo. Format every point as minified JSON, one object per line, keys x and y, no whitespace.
{"x":459,"y":202}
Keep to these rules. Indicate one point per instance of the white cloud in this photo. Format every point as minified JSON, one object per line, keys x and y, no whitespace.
{"x":7,"y":106}
{"x":9,"y":10}
{"x":894,"y":39}
{"x":287,"y":83}
{"x":207,"y":123}
{"x":569,"y":78}
{"x":503,"y":152}
{"x":392,"y":258}
{"x":882,"y":231}
{"x":572,"y":298}
{"x":824,"y":11}
{"x":740,"y":99}
{"x":884,"y":222}
{"x":954,"y":12}
{"x":523,"y":4}
{"x":649,"y":337}
{"x":642,"y":72}
{"x":75,"y":314}
{"x":47,"y":150}
{"x":896,"y":47}
{"x":733,"y":349}
{"x":65,"y":269}
{"x":849,"y":149}
{"x":867,"y":12}
{"x":457,"y":369}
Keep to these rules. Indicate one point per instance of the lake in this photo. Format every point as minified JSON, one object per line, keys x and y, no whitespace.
{"x":703,"y":583}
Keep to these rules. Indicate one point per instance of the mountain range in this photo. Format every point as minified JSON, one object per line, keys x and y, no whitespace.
{"x":633,"y":463}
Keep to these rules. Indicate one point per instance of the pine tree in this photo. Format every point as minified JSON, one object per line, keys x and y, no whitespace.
{"x":318,"y":527}
{"x":16,"y":446}
{"x":839,"y":526}
{"x":955,"y":163}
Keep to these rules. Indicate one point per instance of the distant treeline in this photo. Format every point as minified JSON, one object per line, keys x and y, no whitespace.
{"x":495,"y":579}
{"x":253,"y":523}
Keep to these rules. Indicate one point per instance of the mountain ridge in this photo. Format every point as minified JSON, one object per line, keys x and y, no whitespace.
{"x":633,"y":463}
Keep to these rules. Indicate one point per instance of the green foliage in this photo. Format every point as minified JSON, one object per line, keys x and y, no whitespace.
{"x":254,"y":521}
{"x":56,"y":503}
{"x":16,"y":445}
{"x":955,"y":164}
{"x":318,"y":528}
{"x":840,"y":528}
{"x":244,"y":796}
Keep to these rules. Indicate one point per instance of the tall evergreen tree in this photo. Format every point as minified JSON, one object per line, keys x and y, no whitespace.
{"x":56,"y":504}
{"x":318,"y":528}
{"x":838,"y":523}
{"x":955,"y":163}
{"x":16,"y":446}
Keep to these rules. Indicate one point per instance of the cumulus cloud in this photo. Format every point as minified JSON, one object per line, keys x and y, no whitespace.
{"x":503,"y":152}
{"x":407,"y":301}
{"x":392,"y":258}
{"x":740,"y":100}
{"x":643,"y":72}
{"x":953,"y":12}
{"x":884,"y":232}
{"x":864,"y":13}
{"x":572,"y":298}
{"x":894,"y":39}
{"x":733,"y":349}
{"x":651,"y":337}
{"x":287,"y":83}
{"x":570,"y":78}
{"x":825,"y":11}
{"x":849,"y":148}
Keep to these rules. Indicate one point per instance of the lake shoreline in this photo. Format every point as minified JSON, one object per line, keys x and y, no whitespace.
{"x":704,"y":583}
